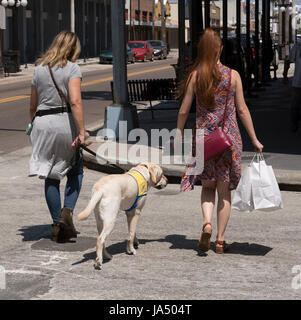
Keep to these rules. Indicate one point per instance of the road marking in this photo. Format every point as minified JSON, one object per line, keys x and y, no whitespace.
{"x":89,"y":83}
{"x":14,"y":98}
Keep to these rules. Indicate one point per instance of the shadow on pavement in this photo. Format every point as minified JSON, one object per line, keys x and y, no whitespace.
{"x":113,"y":249}
{"x":179,"y":241}
{"x":96,"y":95}
{"x":35,"y":233}
{"x":248,"y":249}
{"x":40,"y":235}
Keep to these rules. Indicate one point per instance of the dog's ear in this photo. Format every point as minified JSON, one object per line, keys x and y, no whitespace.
{"x":152,"y":171}
{"x":153,"y":174}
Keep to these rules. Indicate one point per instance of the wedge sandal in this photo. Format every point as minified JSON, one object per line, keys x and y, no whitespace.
{"x":221,"y":246}
{"x":204,"y":242}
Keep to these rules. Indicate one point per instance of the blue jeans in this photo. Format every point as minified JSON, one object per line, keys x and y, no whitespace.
{"x":72,"y":190}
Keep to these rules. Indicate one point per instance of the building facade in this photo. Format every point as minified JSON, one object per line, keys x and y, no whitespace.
{"x":143,"y":20}
{"x":30,"y":30}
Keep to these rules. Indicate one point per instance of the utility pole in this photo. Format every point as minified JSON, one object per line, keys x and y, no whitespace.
{"x":120,"y":110}
{"x":130,"y":20}
{"x":153,"y":20}
{"x":225,"y":27}
{"x":2,"y":26}
{"x":181,"y":19}
{"x":139,"y":20}
{"x":163,"y":24}
{"x":1,"y":63}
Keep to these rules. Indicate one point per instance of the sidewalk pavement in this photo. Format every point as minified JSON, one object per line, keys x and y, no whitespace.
{"x":262,"y":262}
{"x":270,"y":113}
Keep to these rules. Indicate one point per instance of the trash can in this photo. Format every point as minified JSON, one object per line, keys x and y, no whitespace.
{"x":11,"y":61}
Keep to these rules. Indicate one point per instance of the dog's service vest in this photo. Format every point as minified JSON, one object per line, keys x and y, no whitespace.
{"x":141,"y":186}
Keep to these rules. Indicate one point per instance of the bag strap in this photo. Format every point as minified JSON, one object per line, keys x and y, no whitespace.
{"x":226,"y":107}
{"x":61,"y":94}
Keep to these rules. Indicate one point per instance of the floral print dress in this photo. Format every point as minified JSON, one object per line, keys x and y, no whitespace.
{"x":225,"y":167}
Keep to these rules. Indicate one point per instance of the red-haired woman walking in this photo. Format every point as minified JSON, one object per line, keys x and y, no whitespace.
{"x":215,"y":86}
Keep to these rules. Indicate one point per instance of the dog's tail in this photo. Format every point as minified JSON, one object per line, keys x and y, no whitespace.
{"x":92,"y":204}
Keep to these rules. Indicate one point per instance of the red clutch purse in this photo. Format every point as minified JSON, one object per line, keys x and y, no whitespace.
{"x":217,"y":141}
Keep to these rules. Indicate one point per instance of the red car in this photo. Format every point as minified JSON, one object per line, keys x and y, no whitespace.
{"x":143,"y":51}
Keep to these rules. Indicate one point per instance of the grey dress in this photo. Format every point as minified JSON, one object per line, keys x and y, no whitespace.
{"x":52,"y":135}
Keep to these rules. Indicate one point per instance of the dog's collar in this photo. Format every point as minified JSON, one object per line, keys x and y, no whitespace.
{"x":141,"y":186}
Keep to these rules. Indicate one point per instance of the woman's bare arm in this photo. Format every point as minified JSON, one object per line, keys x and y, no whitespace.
{"x":74,"y":88}
{"x":33,"y":102}
{"x":186,"y":105}
{"x":244,"y":113}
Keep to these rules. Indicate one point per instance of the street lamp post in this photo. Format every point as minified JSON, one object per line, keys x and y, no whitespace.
{"x":286,"y":33}
{"x":3,"y":5}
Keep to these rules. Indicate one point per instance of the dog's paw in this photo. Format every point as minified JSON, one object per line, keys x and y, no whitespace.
{"x":136,"y":243}
{"x":97,"y":266}
{"x":131,"y":251}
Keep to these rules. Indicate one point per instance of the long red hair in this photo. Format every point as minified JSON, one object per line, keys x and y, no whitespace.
{"x":206,"y":69}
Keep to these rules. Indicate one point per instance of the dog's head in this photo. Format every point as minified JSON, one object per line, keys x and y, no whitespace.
{"x":157,"y":178}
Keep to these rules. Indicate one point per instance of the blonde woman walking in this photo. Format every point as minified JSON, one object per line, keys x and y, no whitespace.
{"x":216,"y":87}
{"x":58,"y":127}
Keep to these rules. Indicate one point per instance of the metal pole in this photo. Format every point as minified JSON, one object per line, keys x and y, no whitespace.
{"x":153,"y":20}
{"x":1,"y":62}
{"x":196,"y":24}
{"x":163,"y":25}
{"x":263,"y":37}
{"x":225,"y":28}
{"x":2,"y":24}
{"x":238,"y":20}
{"x":72,"y":12}
{"x":139,"y":21}
{"x":120,"y":110}
{"x":256,"y":42}
{"x":207,"y":13}
{"x":181,"y":19}
{"x":119,"y":54}
{"x":130,"y":20}
{"x":248,"y":45}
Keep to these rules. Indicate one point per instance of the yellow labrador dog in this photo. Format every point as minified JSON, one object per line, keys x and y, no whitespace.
{"x":125,"y":192}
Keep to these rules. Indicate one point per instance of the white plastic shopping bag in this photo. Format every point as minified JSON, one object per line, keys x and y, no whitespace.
{"x":242,"y":199}
{"x":265,"y":190}
{"x":258,"y":188}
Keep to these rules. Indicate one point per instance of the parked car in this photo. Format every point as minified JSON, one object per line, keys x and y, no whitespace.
{"x":143,"y":50}
{"x":106,"y":56}
{"x":160,"y":49}
{"x":130,"y":54}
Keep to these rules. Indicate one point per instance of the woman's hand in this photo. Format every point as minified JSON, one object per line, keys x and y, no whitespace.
{"x":80,"y":139}
{"x":257,"y":145}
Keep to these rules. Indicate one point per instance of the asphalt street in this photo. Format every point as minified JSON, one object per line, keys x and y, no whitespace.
{"x":96,"y":94}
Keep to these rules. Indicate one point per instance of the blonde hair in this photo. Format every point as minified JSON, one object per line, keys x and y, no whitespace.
{"x":65,"y":47}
